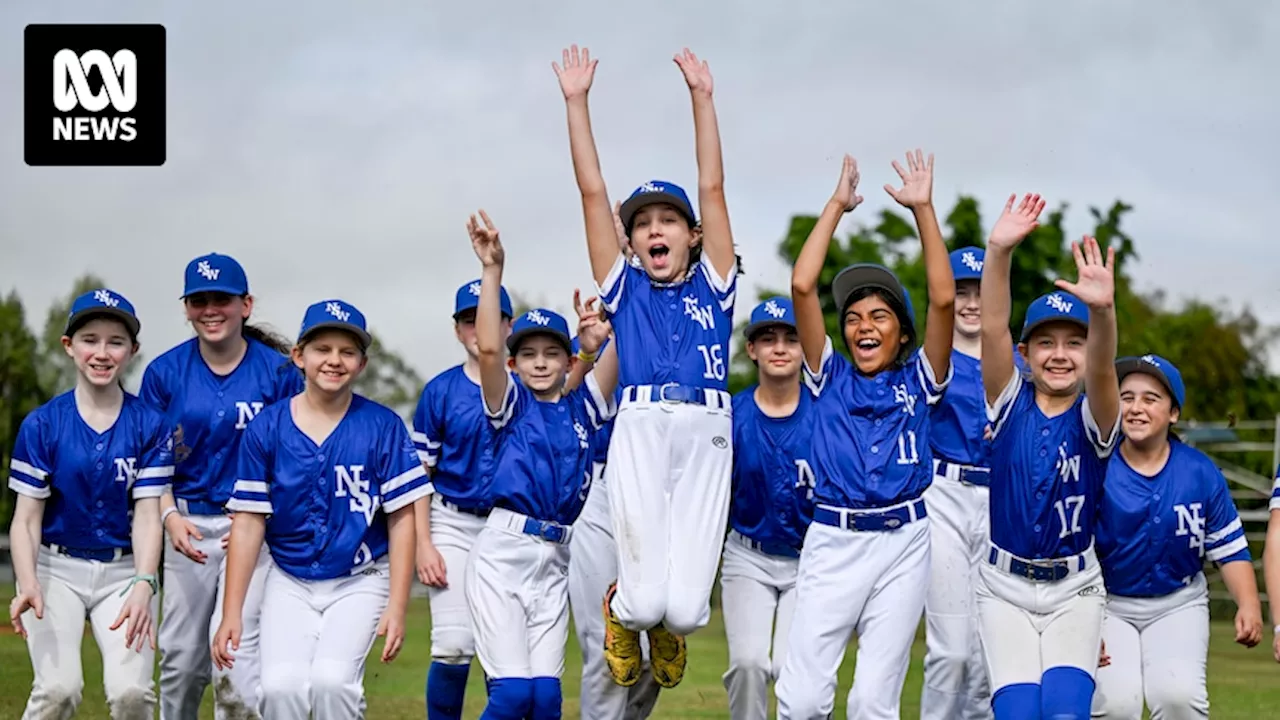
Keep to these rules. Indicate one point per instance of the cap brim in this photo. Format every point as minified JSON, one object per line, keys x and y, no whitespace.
{"x":1027,"y":330}
{"x":754,"y":328}
{"x":1128,"y":366}
{"x":363,"y":335}
{"x":628,"y":211}
{"x":130,"y":322}
{"x":216,"y":288}
{"x":459,"y":311}
{"x":514,"y":340}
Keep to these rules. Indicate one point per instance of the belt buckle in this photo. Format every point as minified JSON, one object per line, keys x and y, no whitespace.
{"x":550,"y":532}
{"x":1046,"y":570}
{"x":662,"y":393}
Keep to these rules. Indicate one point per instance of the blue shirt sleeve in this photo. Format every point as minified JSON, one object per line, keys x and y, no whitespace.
{"x":830,"y":367}
{"x":153,"y":391}
{"x":289,"y":382}
{"x":32,"y":460}
{"x":252,"y":492}
{"x":514,"y":400}
{"x":402,"y":475}
{"x":1224,"y":539}
{"x":428,"y":430}
{"x":157,"y":458}
{"x":725,"y":289}
{"x":600,"y":408}
{"x":933,"y":388}
{"x":612,"y":290}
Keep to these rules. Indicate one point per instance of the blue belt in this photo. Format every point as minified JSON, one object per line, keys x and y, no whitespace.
{"x":549,"y":531}
{"x":873,"y":520}
{"x":675,"y":394}
{"x":199,"y":507}
{"x":1038,"y":570}
{"x":478,"y":512}
{"x":98,"y":554}
{"x":770,"y":548}
{"x":969,"y":475}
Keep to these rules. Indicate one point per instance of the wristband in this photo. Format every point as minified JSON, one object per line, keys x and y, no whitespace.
{"x":169,"y":511}
{"x":148,"y":579}
{"x":586,"y":357}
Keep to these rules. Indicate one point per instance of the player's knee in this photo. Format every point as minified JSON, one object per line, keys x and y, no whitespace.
{"x":279,"y":683}
{"x":752,"y":670}
{"x":1013,"y":702}
{"x":1175,"y":699}
{"x":547,"y":698}
{"x":645,"y":607}
{"x":1066,"y":693}
{"x":131,"y":703}
{"x":802,"y":699}
{"x":945,"y":667}
{"x":452,"y":646}
{"x":685,"y":614}
{"x":509,"y":699}
{"x":334,"y":689}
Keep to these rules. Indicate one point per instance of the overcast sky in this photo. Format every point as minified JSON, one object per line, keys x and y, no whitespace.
{"x":336,"y":151}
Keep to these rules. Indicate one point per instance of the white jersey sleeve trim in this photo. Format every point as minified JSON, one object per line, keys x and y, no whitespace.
{"x":144,"y":492}
{"x":22,"y":487}
{"x":1101,"y":445}
{"x":257,"y":507}
{"x":502,"y":415}
{"x":1217,"y":537}
{"x":251,"y":486}
{"x":726,"y":288}
{"x":600,"y":408}
{"x":998,"y":412}
{"x":610,"y":291}
{"x":164,"y":471}
{"x":816,"y":380}
{"x":928,"y":378}
{"x":1227,"y":550}
{"x":1275,"y":495}
{"x":27,"y":469}
{"x":421,"y":487}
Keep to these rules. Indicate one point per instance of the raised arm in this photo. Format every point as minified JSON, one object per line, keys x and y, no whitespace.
{"x":575,"y":81}
{"x":810,"y":325}
{"x":997,"y":343}
{"x":1096,"y":287}
{"x":917,"y":195}
{"x":493,"y":353}
{"x":717,"y":238}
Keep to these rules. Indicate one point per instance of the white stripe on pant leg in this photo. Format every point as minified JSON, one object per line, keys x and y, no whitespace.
{"x":291,"y":624}
{"x":237,"y":692}
{"x":126,"y":674}
{"x":188,"y":597}
{"x":1118,"y":695}
{"x":352,"y":607}
{"x":53,"y":641}
{"x":748,"y":602}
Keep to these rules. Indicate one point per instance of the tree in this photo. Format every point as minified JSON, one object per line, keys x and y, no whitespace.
{"x":389,"y":379}
{"x":20,"y":388}
{"x":57,"y":374}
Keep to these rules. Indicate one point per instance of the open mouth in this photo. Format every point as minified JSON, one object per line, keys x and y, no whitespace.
{"x":659,"y":253}
{"x":213,"y":324}
{"x":100,"y":369}
{"x":972,"y":317}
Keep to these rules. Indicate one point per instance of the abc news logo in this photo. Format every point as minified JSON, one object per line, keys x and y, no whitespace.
{"x":107,"y":105}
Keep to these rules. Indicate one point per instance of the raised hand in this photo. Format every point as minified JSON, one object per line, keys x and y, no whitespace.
{"x":485,"y":241}
{"x":696,"y":72}
{"x":593,"y":328}
{"x":917,"y":181}
{"x":846,"y":194}
{"x":1096,"y":284}
{"x":1016,"y":224}
{"x":576,"y":73}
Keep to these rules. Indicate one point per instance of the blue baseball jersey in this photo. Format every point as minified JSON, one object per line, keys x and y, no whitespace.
{"x":1154,"y":533}
{"x":958,"y":422}
{"x":88,"y":479}
{"x":546,"y":450}
{"x":671,"y":332}
{"x":773,"y":478}
{"x":1046,"y":473}
{"x":210,"y":411}
{"x":454,"y":439}
{"x":324,"y":500}
{"x":871,"y":435}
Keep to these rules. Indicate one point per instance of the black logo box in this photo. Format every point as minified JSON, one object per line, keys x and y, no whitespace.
{"x":42,"y":43}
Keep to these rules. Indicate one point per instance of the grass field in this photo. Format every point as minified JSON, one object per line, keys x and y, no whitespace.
{"x":1243,"y":684}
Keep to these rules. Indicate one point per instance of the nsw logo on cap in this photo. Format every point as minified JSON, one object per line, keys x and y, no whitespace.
{"x":335,"y":309}
{"x":1059,"y":303}
{"x":105,"y":298}
{"x":772,"y":308}
{"x":534,"y":316}
{"x":971,"y":261}
{"x":207,"y":271}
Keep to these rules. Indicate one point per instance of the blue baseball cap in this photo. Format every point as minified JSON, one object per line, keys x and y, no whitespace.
{"x":1158,"y":368}
{"x":468,"y":298}
{"x":103,"y":302}
{"x":862,"y":275}
{"x":1054,"y":307}
{"x":336,"y":315}
{"x":653,"y":193}
{"x":539,"y":321}
{"x":966,"y":263}
{"x":215,"y":273}
{"x":776,"y":310}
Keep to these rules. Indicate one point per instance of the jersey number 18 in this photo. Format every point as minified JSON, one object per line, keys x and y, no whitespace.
{"x":713,"y":360}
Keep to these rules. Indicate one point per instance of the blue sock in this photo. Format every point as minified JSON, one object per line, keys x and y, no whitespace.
{"x":1066,"y":693}
{"x":446,"y":687}
{"x":547,"y":698}
{"x":509,"y":699}
{"x":1016,"y":702}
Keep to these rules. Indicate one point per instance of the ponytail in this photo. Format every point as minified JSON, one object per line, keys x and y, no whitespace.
{"x":265,"y":336}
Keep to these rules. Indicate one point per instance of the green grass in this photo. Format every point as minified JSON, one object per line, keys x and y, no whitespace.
{"x":1242,"y":683}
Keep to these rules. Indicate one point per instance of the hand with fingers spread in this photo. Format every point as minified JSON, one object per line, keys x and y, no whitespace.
{"x":917,"y":181}
{"x":846,"y":195}
{"x":1015,"y":224}
{"x":29,"y":599}
{"x":1096,"y":284}
{"x":485,"y":241}
{"x":136,"y":611}
{"x":696,"y":72}
{"x":593,"y":328}
{"x":577,"y":72}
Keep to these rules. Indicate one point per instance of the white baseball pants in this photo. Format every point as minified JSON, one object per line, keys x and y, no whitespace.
{"x":758,"y":599}
{"x":192,"y":605}
{"x":453,"y":533}
{"x":518,"y":590}
{"x":869,"y":583}
{"x":76,"y":589}
{"x":1028,"y":627}
{"x":669,"y":476}
{"x":1158,"y":648}
{"x":955,"y":675}
{"x":593,"y":566}
{"x":316,"y":635}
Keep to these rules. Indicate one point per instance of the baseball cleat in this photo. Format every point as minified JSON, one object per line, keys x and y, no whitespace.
{"x":621,"y":646}
{"x":667,"y":656}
